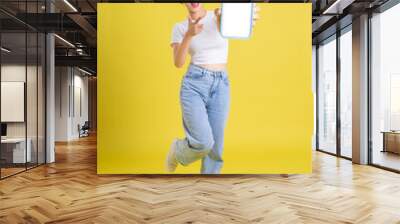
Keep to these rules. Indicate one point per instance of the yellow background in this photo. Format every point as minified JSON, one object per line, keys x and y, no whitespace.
{"x":271,"y":118}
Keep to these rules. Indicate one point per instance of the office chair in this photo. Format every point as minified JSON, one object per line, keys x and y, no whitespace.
{"x":84,"y":130}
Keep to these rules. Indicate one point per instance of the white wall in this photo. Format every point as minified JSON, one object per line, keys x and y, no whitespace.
{"x":12,"y":73}
{"x":34,"y":126}
{"x":62,"y":82}
{"x":83,"y":83}
{"x":17,"y":73}
{"x":70,"y":83}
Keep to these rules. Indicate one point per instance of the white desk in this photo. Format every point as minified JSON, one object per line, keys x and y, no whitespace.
{"x":18,"y":149}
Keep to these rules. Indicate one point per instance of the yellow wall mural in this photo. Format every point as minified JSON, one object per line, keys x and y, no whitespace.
{"x":270,"y":122}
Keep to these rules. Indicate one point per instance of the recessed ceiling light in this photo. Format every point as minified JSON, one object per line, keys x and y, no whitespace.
{"x":337,"y":7}
{"x":5,"y":50}
{"x":70,"y":5}
{"x":84,"y":71}
{"x":64,"y":40}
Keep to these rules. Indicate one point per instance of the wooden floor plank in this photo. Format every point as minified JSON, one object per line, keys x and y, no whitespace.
{"x":70,"y":191}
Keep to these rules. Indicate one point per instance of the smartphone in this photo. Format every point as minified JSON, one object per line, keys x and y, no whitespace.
{"x":236,"y":20}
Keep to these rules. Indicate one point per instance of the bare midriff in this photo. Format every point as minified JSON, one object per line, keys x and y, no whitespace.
{"x":214,"y":67}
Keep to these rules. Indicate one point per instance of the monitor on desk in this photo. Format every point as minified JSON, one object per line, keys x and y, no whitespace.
{"x":3,"y":130}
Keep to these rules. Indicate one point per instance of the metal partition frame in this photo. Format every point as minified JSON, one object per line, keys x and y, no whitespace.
{"x":26,"y":30}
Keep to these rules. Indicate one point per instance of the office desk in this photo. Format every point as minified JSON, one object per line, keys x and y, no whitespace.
{"x":13,"y":150}
{"x":391,"y":142}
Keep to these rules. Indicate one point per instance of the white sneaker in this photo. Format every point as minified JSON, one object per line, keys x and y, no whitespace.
{"x":171,"y":162}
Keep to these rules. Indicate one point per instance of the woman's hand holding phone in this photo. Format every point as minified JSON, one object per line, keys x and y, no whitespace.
{"x":217,"y":13}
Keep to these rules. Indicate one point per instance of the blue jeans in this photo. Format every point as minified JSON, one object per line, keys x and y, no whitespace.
{"x":205,"y":104}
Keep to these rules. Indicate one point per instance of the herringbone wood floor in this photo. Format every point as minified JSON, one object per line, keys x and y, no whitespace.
{"x":69,"y":191}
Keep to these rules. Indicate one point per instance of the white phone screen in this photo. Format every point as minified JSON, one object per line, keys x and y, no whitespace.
{"x":236,"y":20}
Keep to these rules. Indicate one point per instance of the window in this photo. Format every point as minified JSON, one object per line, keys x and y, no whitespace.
{"x":327,"y":96}
{"x":385,"y":89}
{"x":346,"y":73}
{"x":395,"y":102}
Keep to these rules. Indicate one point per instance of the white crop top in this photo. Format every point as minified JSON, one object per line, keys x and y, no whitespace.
{"x":208,"y":46}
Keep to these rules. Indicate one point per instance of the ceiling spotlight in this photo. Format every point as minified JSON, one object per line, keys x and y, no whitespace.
{"x":79,"y":51}
{"x":5,"y":50}
{"x":70,"y":5}
{"x":65,"y":41}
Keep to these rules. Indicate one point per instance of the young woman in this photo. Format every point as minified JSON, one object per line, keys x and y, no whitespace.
{"x":204,"y":91}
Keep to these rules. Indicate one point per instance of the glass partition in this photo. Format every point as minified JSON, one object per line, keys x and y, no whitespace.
{"x":41,"y":107}
{"x":14,"y":153}
{"x":22,"y":88}
{"x":32,"y":95}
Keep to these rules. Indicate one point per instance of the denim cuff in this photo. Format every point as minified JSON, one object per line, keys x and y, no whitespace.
{"x":186,"y":155}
